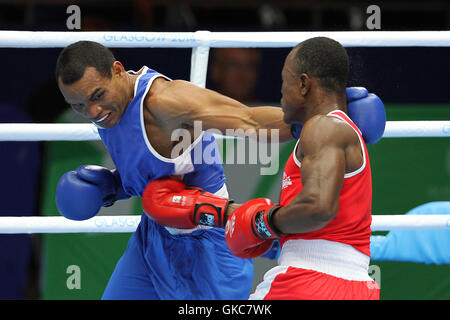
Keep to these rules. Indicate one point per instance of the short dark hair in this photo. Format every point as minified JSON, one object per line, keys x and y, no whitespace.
{"x":326,"y":60}
{"x":76,"y":57}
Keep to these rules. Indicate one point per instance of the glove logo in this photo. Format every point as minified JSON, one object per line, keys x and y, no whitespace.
{"x":206,"y":219}
{"x":229,"y":228}
{"x":260,"y":224}
{"x":176,"y":199}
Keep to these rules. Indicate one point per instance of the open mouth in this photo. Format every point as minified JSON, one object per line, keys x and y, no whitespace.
{"x":103,"y":119}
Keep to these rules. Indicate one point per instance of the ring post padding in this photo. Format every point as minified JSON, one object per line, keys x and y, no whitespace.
{"x":199,"y":58}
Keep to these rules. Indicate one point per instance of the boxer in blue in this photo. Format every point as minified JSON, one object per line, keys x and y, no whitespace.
{"x":136,"y":113}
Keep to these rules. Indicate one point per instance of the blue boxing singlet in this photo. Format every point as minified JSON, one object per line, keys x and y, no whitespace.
{"x":167,"y":263}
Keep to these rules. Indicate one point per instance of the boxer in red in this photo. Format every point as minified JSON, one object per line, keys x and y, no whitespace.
{"x":324,"y":216}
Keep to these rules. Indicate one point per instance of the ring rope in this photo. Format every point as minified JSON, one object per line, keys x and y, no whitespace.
{"x":86,"y":131}
{"x":201,"y":41}
{"x":129,"y":223}
{"x":55,"y":39}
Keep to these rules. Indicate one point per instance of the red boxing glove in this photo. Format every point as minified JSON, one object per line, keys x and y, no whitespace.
{"x":249,"y":231}
{"x":169,"y":202}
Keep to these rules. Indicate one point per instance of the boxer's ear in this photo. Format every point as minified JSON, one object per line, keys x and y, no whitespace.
{"x":304,"y":84}
{"x":117,"y":69}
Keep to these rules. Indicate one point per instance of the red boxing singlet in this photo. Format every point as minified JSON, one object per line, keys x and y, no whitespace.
{"x":352,"y":223}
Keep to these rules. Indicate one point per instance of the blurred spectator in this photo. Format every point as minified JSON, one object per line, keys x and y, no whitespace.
{"x":45,"y":102}
{"x":235,"y":72}
{"x":95,"y":22}
{"x":144,"y":14}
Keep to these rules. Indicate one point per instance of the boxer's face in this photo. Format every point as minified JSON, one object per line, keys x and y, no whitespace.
{"x":100,"y":99}
{"x":291,"y":97}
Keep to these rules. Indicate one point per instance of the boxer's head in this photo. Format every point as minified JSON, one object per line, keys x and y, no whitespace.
{"x":313,"y":69}
{"x":93,"y":82}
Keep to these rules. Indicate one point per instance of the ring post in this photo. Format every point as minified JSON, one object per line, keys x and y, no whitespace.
{"x":199,"y":58}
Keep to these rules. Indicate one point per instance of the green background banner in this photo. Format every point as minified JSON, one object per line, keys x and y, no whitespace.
{"x":406,"y":172}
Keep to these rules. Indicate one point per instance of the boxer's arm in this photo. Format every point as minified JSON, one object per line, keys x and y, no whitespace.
{"x":322,"y":147}
{"x":180,"y":102}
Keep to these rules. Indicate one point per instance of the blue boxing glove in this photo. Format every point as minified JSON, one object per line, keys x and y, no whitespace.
{"x":296,"y":129}
{"x":366,"y":110}
{"x":356,"y":93}
{"x":81,"y":193}
{"x":368,"y":113}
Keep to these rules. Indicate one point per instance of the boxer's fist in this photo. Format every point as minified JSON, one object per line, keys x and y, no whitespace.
{"x":249,"y":231}
{"x":352,"y":94}
{"x":368,"y":113}
{"x":81,"y":193}
{"x":170,"y":203}
{"x":355,"y":93}
{"x":366,"y":110}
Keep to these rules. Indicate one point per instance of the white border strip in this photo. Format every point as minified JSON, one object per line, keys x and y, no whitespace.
{"x":88,"y":131}
{"x":129,"y":223}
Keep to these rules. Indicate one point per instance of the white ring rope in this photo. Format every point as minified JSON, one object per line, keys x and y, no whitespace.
{"x":86,"y":131}
{"x":201,"y":41}
{"x":48,"y":132}
{"x":129,"y":223}
{"x":56,"y":39}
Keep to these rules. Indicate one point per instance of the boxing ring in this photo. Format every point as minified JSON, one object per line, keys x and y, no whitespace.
{"x":201,"y":42}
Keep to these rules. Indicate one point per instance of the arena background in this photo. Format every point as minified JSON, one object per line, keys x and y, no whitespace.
{"x":407,"y":172}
